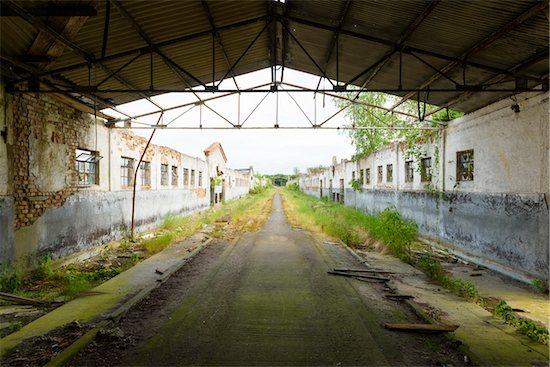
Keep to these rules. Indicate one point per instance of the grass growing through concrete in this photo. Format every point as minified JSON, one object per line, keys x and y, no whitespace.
{"x":356,"y":229}
{"x":526,"y":327}
{"x":50,"y":282}
{"x":245,"y":214}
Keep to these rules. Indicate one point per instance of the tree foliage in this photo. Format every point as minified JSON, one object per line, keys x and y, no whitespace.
{"x":367,"y":141}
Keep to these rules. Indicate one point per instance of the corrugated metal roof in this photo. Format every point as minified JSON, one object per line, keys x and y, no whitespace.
{"x":369,"y":30}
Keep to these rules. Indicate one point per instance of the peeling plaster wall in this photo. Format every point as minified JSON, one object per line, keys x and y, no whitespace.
{"x":91,"y":218}
{"x":7,"y":207}
{"x":501,"y":218}
{"x":44,"y":209}
{"x":506,"y":232}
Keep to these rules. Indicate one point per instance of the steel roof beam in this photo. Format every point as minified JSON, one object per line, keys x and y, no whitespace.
{"x":406,"y":49}
{"x":158,"y":46}
{"x":88,"y":56}
{"x":44,"y":27}
{"x":538,"y":57}
{"x":377,"y":66}
{"x":335,"y":36}
{"x":487,"y":41}
{"x":218,"y":38}
{"x":32,"y":70}
{"x":52,"y":11}
{"x":148,"y":40}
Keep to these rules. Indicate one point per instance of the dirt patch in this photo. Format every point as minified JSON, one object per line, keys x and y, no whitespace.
{"x":145,"y":319}
{"x":39,"y":350}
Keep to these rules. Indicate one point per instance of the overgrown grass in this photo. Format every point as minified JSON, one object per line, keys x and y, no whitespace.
{"x":351,"y":226}
{"x":49,"y":283}
{"x":246,"y":213}
{"x":355,"y":228}
{"x":527,"y":327}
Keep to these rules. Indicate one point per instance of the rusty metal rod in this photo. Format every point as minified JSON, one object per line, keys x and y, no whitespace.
{"x":135,"y":176}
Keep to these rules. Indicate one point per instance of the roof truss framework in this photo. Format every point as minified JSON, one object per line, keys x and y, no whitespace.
{"x":327,"y":38}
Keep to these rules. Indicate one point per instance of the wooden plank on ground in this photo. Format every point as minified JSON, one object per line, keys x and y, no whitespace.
{"x":425,"y":328}
{"x":351,"y":275}
{"x":365,"y":271}
{"x":22,"y":300}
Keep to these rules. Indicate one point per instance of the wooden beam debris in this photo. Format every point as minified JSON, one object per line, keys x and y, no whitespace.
{"x":351,"y":275}
{"x":423,"y":328}
{"x":365,"y":271}
{"x":25,"y":301}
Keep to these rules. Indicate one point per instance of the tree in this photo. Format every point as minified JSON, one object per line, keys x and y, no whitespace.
{"x":367,"y":141}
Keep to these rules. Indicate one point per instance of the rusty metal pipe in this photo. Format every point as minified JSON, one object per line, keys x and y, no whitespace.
{"x":135,"y":176}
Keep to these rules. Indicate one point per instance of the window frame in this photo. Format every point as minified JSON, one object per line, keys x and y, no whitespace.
{"x":164,"y":175}
{"x":426,"y":176}
{"x":367,"y":176}
{"x":380,"y":171}
{"x":389,"y":173}
{"x":461,"y":165}
{"x":126,"y":172}
{"x":174,"y":175}
{"x":185,"y":176}
{"x":145,"y":174}
{"x":85,"y":160}
{"x":409,"y":171}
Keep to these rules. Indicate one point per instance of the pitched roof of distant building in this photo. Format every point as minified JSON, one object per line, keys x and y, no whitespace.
{"x":213,"y":147}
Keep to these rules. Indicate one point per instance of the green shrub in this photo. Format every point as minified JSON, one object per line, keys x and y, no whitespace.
{"x":293,"y":187}
{"x":539,"y":286}
{"x":9,"y":279}
{"x":45,"y":269}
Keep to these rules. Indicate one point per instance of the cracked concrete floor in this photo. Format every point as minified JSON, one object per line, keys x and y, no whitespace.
{"x":267,"y":300}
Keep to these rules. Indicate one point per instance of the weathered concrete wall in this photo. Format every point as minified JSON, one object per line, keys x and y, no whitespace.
{"x":511,"y":149}
{"x":500,"y":218}
{"x":91,"y":218}
{"x":7,"y":210}
{"x":6,"y":137}
{"x":508,"y":232}
{"x":44,"y":208}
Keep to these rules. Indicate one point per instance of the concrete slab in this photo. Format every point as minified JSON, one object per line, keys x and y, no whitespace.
{"x":113,"y":296}
{"x":489,"y":340}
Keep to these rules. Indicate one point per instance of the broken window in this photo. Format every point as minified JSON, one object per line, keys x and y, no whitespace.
{"x":380,"y":174}
{"x":192,"y":178}
{"x":200,"y":179}
{"x":87,"y":163}
{"x":426,"y":169}
{"x":409,"y":171}
{"x":126,"y":172}
{"x":175,"y":176}
{"x":145,"y":173}
{"x":185,"y":176}
{"x":367,"y":176}
{"x":353,"y":176}
{"x":362,"y":176}
{"x":465,"y":165}
{"x":164,"y":174}
{"x":389,"y":173}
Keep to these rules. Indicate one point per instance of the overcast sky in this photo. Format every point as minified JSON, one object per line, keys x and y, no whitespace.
{"x":268,"y":151}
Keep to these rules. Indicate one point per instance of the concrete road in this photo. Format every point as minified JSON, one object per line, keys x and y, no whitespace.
{"x":268,"y":300}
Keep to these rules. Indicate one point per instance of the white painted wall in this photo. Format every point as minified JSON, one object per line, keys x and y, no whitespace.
{"x":511,"y":149}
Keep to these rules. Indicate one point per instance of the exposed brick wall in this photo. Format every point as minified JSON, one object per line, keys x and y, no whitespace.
{"x":31,"y":113}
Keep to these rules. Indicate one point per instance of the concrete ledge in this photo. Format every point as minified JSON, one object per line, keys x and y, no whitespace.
{"x":114,"y":297}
